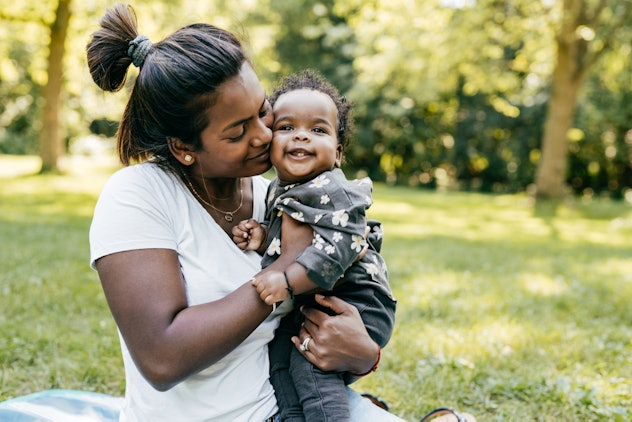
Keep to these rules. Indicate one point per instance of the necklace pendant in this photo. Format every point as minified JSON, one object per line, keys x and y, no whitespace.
{"x":228,"y":217}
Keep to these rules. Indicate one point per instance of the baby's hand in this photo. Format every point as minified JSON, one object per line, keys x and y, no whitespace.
{"x":249,"y":235}
{"x":271,"y":287}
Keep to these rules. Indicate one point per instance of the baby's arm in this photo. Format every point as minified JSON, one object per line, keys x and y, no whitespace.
{"x":271,"y":287}
{"x":271,"y":284}
{"x":250,"y":235}
{"x":276,"y":286}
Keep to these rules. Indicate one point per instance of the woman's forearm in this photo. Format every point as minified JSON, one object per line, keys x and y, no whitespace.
{"x":201,"y":335}
{"x":167,"y":339}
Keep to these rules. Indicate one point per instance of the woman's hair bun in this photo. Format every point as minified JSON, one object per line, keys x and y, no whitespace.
{"x":108,"y":50}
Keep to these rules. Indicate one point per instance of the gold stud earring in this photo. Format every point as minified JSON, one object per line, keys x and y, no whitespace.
{"x":188,"y":158}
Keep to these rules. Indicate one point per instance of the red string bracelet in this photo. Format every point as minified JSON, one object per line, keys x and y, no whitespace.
{"x":374,"y":367}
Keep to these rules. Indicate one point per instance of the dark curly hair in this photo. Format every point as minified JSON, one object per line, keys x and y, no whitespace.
{"x":313,"y":80}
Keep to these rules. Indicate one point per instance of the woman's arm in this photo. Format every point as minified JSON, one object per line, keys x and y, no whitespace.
{"x":169,"y":340}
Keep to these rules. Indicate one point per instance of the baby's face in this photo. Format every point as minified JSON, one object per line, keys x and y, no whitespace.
{"x":305,"y":141}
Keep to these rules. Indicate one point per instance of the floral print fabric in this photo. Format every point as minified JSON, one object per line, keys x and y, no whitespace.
{"x":335,"y":208}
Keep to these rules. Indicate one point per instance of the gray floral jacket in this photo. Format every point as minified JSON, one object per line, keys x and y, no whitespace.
{"x":335,"y":208}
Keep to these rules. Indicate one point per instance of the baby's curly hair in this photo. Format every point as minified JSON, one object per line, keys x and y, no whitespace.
{"x":311,"y":79}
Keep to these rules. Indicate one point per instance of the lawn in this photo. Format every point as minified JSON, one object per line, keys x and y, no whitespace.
{"x":504,"y":312}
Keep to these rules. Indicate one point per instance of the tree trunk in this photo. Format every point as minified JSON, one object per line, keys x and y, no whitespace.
{"x":574,"y":59}
{"x":50,"y":142}
{"x":551,"y":172}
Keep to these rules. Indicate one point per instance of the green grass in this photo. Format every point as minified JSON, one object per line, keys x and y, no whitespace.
{"x":55,"y":328}
{"x":503,"y":312}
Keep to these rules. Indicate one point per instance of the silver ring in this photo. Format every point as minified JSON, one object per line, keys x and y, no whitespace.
{"x":305,"y":344}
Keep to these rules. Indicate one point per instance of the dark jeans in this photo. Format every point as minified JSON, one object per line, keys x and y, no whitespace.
{"x":304,"y":392}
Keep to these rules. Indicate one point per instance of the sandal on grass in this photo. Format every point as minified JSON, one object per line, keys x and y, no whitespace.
{"x":376,"y":401}
{"x":442,"y":411}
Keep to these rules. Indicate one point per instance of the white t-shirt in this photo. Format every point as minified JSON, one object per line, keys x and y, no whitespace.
{"x":143,"y":206}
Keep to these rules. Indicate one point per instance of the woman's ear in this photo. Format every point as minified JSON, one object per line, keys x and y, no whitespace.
{"x":181,"y":151}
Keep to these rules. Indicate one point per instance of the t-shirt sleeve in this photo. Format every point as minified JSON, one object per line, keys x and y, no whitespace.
{"x":130,"y":214}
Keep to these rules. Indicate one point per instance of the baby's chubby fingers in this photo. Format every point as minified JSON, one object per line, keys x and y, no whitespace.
{"x":262,"y":291}
{"x":247,"y":225}
{"x":240,"y":239}
{"x":242,"y":229}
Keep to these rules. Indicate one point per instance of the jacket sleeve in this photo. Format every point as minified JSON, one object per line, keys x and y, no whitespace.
{"x":336,"y":210}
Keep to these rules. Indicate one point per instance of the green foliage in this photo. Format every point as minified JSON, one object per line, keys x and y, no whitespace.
{"x":502,"y":313}
{"x":601,"y":158}
{"x":447,"y":93}
{"x":312,"y":35}
{"x":20,"y":108}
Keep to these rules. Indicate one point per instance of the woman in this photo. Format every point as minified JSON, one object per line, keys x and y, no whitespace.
{"x":193,"y":330}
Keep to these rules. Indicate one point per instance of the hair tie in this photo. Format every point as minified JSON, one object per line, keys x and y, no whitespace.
{"x":138,"y":49}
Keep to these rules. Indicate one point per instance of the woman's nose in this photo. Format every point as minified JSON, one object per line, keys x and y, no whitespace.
{"x":263,"y":133}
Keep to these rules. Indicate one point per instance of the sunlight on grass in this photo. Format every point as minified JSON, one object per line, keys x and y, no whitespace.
{"x":544,"y":285}
{"x":574,"y":231}
{"x":18,"y":165}
{"x":394,"y":209}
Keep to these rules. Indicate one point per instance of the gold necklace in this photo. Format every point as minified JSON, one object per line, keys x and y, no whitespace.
{"x":228,"y":215}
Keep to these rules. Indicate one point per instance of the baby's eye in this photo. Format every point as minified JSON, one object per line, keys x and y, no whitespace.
{"x":319,"y":130}
{"x":285,"y":127}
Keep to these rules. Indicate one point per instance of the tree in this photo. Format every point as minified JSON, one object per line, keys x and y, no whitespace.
{"x":586,"y":31}
{"x":50,"y":137}
{"x":603,"y":144}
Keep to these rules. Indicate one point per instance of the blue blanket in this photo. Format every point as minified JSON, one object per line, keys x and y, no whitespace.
{"x":61,"y":406}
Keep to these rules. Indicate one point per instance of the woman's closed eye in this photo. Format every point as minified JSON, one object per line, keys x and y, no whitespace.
{"x":267,"y":109}
{"x":238,"y":137}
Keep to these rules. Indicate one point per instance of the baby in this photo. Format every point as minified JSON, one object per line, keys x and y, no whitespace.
{"x":311,"y":130}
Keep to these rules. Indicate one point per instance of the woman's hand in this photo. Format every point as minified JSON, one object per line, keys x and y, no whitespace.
{"x":339,"y":342}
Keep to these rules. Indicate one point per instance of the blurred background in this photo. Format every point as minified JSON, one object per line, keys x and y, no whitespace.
{"x":477,"y":95}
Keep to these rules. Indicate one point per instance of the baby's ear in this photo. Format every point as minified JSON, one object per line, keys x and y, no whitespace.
{"x":339,"y":151}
